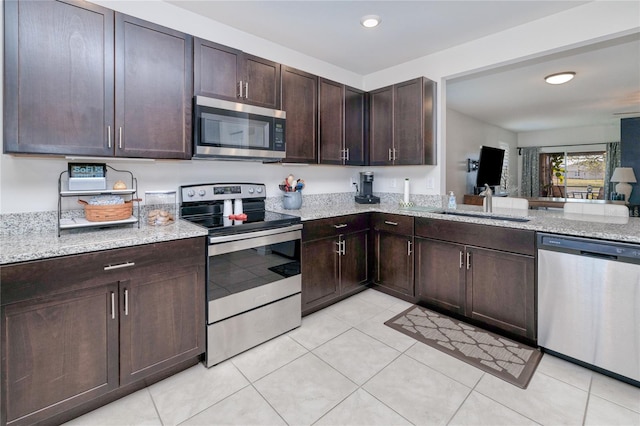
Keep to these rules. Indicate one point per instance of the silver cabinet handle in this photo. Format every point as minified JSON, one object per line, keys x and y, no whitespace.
{"x":390,"y":155}
{"x":109,"y":136}
{"x":246,"y":90}
{"x":461,"y":261}
{"x":342,"y":225}
{"x":468,"y":260}
{"x":339,"y":244}
{"x":113,"y":305}
{"x":126,"y":301}
{"x":344,"y":247}
{"x":119,"y":265}
{"x":240,"y":89}
{"x":409,"y":251}
{"x":388,"y":222}
{"x":347,"y":154}
{"x":394,"y":155}
{"x":120,"y":135}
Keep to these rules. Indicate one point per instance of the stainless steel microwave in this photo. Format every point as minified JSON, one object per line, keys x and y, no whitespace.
{"x":230,"y":130}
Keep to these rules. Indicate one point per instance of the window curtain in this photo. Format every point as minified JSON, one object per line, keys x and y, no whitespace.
{"x":530,"y":183}
{"x":613,"y":159}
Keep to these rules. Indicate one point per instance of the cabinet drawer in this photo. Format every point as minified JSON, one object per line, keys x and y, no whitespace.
{"x":43,"y":278}
{"x":323,"y":228}
{"x":395,"y":223}
{"x":493,"y":237}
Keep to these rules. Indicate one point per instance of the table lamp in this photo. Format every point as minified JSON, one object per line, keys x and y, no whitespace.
{"x":624,"y":175}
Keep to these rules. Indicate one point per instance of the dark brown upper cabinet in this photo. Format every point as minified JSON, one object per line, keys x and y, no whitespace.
{"x":300,"y":102}
{"x":341,"y":124}
{"x":225,"y":73}
{"x":81,"y":79}
{"x":403,"y":124}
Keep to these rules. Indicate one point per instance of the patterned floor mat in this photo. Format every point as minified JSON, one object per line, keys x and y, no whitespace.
{"x":510,"y":361}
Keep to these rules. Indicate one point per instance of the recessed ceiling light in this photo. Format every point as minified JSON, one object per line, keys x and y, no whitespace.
{"x":560,"y":78}
{"x":370,"y":21}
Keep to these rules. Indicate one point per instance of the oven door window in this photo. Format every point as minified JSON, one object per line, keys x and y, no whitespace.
{"x":229,"y":131}
{"x":242,"y":270}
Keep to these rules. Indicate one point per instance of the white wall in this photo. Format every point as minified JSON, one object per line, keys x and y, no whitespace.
{"x":30,"y":184}
{"x":571,"y":136}
{"x":465,"y":136}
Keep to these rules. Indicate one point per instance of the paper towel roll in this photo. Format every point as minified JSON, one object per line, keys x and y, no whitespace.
{"x":406,"y":191}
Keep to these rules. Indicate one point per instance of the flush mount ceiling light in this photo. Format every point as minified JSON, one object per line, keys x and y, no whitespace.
{"x":560,"y":78}
{"x":370,"y":21}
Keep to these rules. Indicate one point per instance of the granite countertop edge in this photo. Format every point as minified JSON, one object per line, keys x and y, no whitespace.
{"x":28,"y":246}
{"x":18,"y":248}
{"x":550,"y":221}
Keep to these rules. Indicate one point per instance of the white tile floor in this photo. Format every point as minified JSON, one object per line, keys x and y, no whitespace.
{"x":343,"y":366}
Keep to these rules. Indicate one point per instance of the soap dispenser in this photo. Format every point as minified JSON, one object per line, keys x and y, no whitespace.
{"x":452,"y":201}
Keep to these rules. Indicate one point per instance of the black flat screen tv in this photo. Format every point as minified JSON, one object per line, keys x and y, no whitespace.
{"x":490,"y":166}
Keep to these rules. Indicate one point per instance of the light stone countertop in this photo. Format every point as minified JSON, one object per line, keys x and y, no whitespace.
{"x":552,"y":220}
{"x":45,"y":243}
{"x":32,"y":236}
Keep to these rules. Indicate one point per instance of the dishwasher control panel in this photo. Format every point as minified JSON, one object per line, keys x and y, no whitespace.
{"x":590,"y":247}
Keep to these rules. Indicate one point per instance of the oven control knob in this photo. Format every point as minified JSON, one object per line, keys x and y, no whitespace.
{"x":202,"y":192}
{"x":250,"y":190}
{"x":259,"y":189}
{"x":191,"y":193}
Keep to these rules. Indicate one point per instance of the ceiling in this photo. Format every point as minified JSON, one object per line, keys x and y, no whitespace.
{"x":514,"y":98}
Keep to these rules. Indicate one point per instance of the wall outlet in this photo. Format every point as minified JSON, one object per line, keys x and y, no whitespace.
{"x":430,"y":183}
{"x":393,"y":183}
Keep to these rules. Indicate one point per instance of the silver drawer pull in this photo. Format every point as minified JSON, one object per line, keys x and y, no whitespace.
{"x":388,"y":222}
{"x":119,"y":265}
{"x":409,"y":251}
{"x":342,"y":225}
{"x":113,"y":305}
{"x":126,"y":301}
{"x":461,"y":261}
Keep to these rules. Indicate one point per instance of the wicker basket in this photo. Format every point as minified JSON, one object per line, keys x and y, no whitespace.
{"x":95,"y":213}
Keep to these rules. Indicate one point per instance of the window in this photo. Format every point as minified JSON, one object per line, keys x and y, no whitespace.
{"x":572,"y":174}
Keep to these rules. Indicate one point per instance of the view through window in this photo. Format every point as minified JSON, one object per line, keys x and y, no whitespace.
{"x":572,"y":174}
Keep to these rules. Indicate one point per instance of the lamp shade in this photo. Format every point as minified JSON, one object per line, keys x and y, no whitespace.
{"x":623,"y":174}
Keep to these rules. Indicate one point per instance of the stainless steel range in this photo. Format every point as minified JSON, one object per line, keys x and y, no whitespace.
{"x":253,"y":276}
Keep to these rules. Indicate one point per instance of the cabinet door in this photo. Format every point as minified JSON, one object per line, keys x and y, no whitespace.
{"x":300,"y":102}
{"x":262,"y":80}
{"x":354,"y":261}
{"x":501,"y":290}
{"x":408,"y":124}
{"x":59,"y":352}
{"x":216,"y":70}
{"x":153,"y":90}
{"x":331,"y":122}
{"x":320,"y":277}
{"x":381,"y":131}
{"x":58,"y":91}
{"x":355,"y":121}
{"x":440,"y":274}
{"x":162,"y":321}
{"x":394,"y":256}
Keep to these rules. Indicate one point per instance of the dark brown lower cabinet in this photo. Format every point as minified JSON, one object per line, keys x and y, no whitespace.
{"x":393,"y":239}
{"x":484,"y":273}
{"x":440,"y":274}
{"x":334,"y":259}
{"x":77,"y":328}
{"x":58,"y":352}
{"x":501,"y":290}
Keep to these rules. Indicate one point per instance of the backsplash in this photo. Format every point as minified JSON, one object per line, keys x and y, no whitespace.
{"x":42,"y":222}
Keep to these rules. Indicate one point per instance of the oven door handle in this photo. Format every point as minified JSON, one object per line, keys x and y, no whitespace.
{"x":249,"y":235}
{"x":253,"y":242}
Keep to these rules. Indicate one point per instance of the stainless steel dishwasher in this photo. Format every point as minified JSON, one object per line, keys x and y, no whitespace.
{"x":589,"y":302}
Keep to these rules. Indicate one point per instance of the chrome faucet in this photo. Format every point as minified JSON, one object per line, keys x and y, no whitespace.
{"x":487,"y":205}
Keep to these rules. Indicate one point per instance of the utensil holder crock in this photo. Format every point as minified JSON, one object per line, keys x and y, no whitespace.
{"x":292,"y":200}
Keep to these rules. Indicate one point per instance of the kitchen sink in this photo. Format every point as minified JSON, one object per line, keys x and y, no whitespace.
{"x":484,"y":216}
